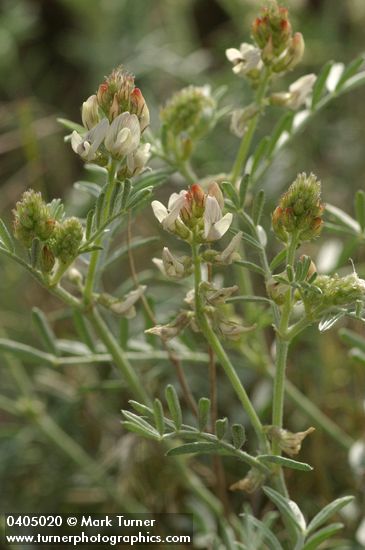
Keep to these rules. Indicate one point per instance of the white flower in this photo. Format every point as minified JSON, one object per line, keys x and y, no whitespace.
{"x":123,"y":135}
{"x":170,"y":265}
{"x":240,"y":119}
{"x":137,"y":160}
{"x":168,"y":216}
{"x":87,"y":145}
{"x":244,"y":60}
{"x":215,"y":226}
{"x":300,"y":90}
{"x":90,"y":112}
{"x":230,"y":254}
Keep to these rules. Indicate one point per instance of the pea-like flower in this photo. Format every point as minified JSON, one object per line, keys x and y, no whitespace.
{"x":137,"y":160}
{"x":172,"y":266}
{"x":87,"y":145}
{"x":245,"y":60}
{"x":123,"y":136}
{"x":193,"y":214}
{"x":298,"y":94}
{"x":90,"y":112}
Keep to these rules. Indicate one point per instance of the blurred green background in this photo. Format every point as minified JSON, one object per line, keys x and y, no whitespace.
{"x":53,"y":54}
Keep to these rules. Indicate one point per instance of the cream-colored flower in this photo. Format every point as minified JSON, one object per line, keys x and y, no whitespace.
{"x":230,"y":253}
{"x":90,"y":112}
{"x":170,"y":265}
{"x":123,"y":135}
{"x":215,"y":225}
{"x":246,"y":59}
{"x":298,"y":94}
{"x":168,"y":216}
{"x":87,"y":145}
{"x":137,"y":160}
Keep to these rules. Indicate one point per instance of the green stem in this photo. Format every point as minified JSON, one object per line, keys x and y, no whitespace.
{"x":119,"y":356}
{"x":247,"y":138}
{"x":90,"y":277}
{"x":223,"y":358}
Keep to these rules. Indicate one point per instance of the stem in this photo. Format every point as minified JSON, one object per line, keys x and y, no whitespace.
{"x":224,"y":360}
{"x":187,"y":393}
{"x":119,"y":356}
{"x":90,"y":277}
{"x":247,"y":138}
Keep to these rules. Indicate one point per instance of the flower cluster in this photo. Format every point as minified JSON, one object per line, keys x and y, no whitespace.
{"x":114,"y":119}
{"x":300,"y":210}
{"x":336,"y":291}
{"x":275,"y":45}
{"x":60,"y":238}
{"x":186,"y":117}
{"x":194,"y":214}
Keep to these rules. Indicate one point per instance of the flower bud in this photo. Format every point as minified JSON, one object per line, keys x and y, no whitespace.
{"x":32,"y":218}
{"x":215,"y":191}
{"x":273,"y":29}
{"x":122,"y":306}
{"x":253,"y":481}
{"x":289,"y":442}
{"x":67,"y":239}
{"x":189,"y":113}
{"x":293,"y":55}
{"x":173,"y":267}
{"x":300,"y":210}
{"x":47,"y":259}
{"x":172,"y":329}
{"x":336,"y":291}
{"x":114,"y":94}
{"x":90,"y":112}
{"x":139,"y":107}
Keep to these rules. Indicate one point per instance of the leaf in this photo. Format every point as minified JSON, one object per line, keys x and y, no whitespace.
{"x":353,"y":82}
{"x":322,"y":535}
{"x":251,"y":266}
{"x":360,"y":208}
{"x":99,"y":207}
{"x":221,"y":426}
{"x":249,"y":299}
{"x":271,"y":540}
{"x":343,"y":218}
{"x":327,"y":512}
{"x":231,"y":193}
{"x":151,"y":179}
{"x":238,"y":435}
{"x":70,"y":125}
{"x":158,"y":416}
{"x":319,"y":86}
{"x":244,"y":185}
{"x":83,"y":330}
{"x":137,"y":420}
{"x":260,"y":152}
{"x":137,"y":198}
{"x":279,"y":259}
{"x":174,"y":405}
{"x":258,"y":207}
{"x":286,"y":462}
{"x":89,"y":224}
{"x":358,"y":355}
{"x":195,"y":448}
{"x":288,"y":508}
{"x":91,"y":188}
{"x":329,"y":320}
{"x":5,"y":237}
{"x":284,"y":125}
{"x":351,"y":70}
{"x":45,"y":330}
{"x":134,"y":245}
{"x":203,"y":413}
{"x":130,"y":426}
{"x":27,"y":353}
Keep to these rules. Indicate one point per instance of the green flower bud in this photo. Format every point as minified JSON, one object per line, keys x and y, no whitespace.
{"x":67,"y":239}
{"x":32,"y":218}
{"x":337,"y":291}
{"x":189,"y":112}
{"x":300,"y":210}
{"x":47,"y":259}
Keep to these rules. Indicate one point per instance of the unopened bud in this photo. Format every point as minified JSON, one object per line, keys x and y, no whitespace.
{"x":32,"y":218}
{"x":47,"y":260}
{"x":300,"y":210}
{"x":172,"y":329}
{"x":67,"y":239}
{"x":90,"y":112}
{"x":253,"y":481}
{"x":293,"y":55}
{"x":289,"y":442}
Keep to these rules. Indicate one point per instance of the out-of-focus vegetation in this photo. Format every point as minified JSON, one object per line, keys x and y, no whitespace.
{"x":53,"y":54}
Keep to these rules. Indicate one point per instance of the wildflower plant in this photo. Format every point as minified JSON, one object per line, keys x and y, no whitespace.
{"x":218,"y":220}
